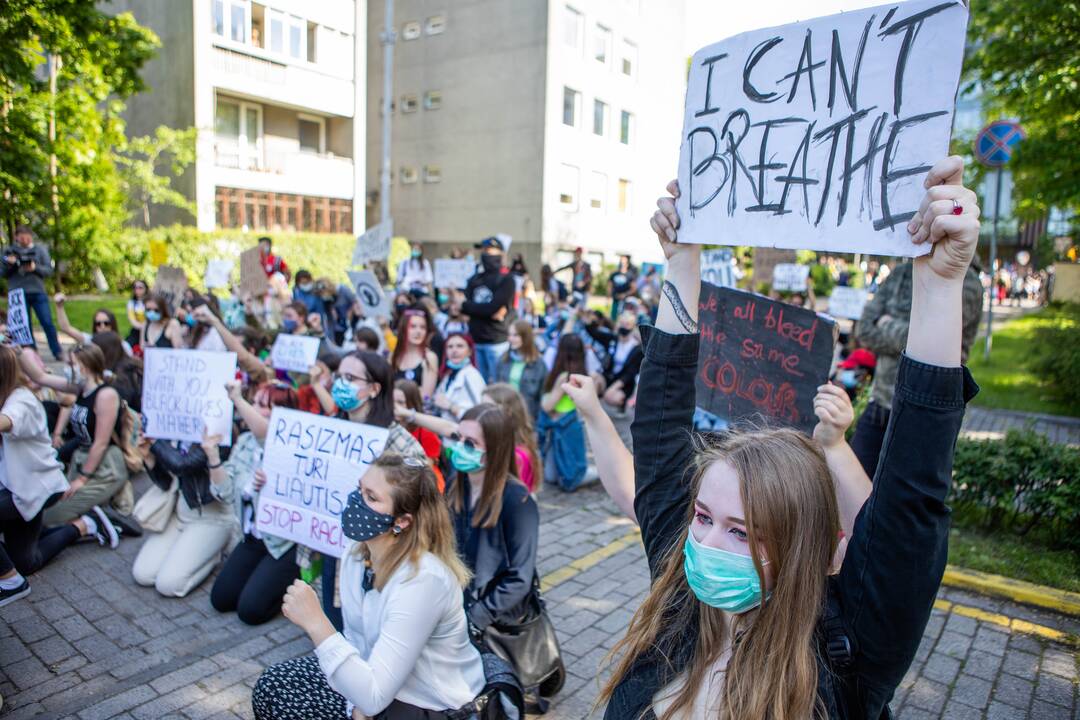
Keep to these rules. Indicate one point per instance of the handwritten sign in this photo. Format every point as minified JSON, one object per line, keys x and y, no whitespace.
{"x":716,"y":268}
{"x":18,"y":319}
{"x":170,"y":282}
{"x":374,"y":244}
{"x":312,"y":463}
{"x":819,"y":134}
{"x":217,"y":273}
{"x":253,"y":282}
{"x":451,"y":273}
{"x":847,"y":302}
{"x":294,"y":352}
{"x":184,"y":391}
{"x":760,"y":358}
{"x":370,"y":293}
{"x":790,"y":277}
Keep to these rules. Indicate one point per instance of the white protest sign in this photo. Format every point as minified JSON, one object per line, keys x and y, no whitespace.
{"x":847,"y":302}
{"x":217,"y":273}
{"x":374,"y":244}
{"x":294,"y":352}
{"x":370,"y":293}
{"x":18,"y":318}
{"x":312,"y":463}
{"x":716,"y":268}
{"x":790,"y":277}
{"x":184,"y":390}
{"x":450,"y":273}
{"x":818,"y":135}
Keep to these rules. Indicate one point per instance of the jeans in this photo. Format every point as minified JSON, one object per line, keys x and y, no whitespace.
{"x":869,"y":435}
{"x":26,"y":547}
{"x":252,"y":582}
{"x":487,"y":359}
{"x":40,"y":303}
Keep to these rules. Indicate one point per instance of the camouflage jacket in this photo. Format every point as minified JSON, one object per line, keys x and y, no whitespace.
{"x":888,"y":339}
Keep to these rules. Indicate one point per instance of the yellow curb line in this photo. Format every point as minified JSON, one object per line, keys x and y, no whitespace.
{"x":560,"y":575}
{"x":1011,"y":624}
{"x":1061,"y":601}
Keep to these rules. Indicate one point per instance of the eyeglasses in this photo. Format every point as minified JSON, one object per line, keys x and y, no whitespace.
{"x":352,"y":378}
{"x":468,"y":443}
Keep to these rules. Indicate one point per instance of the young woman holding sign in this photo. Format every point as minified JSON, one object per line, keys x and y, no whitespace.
{"x":744,"y":619}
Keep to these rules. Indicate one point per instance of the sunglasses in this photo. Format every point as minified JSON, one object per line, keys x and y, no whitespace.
{"x":102,"y":323}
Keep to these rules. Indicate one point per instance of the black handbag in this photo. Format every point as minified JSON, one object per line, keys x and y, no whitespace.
{"x":530,"y":647}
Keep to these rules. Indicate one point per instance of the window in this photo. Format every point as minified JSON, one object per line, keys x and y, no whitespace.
{"x":410,"y":30}
{"x":238,"y":134}
{"x":600,"y":118}
{"x":408,"y":175}
{"x":624,"y":195}
{"x":626,"y":128}
{"x":217,"y":16}
{"x":436,"y":24}
{"x":433,"y":100}
{"x":629,"y":58}
{"x":432,"y":173}
{"x":569,"y":178}
{"x":602,"y":44}
{"x":296,"y":40}
{"x":409,"y":103}
{"x":597,"y":190}
{"x":238,"y":21}
{"x":312,"y":133}
{"x":571,"y":107}
{"x":312,"y":38}
{"x":573,"y":24}
{"x":277,"y":33}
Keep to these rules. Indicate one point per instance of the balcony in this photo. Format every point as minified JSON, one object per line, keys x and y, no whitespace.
{"x":298,"y":173}
{"x":282,"y":83}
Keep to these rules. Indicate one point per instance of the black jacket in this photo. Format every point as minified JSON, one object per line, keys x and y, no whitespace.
{"x":502,"y":558}
{"x":895,"y":557}
{"x":190,"y":468}
{"x":485,"y":294}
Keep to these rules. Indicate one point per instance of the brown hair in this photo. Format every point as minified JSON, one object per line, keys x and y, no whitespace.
{"x":528,"y":351}
{"x":403,"y":336}
{"x":11,"y":375}
{"x":91,"y":358}
{"x":792,"y":519}
{"x":505,"y":396}
{"x":498,"y":468}
{"x":413,"y":491}
{"x":411,"y":391}
{"x":569,"y":358}
{"x":162,"y":305}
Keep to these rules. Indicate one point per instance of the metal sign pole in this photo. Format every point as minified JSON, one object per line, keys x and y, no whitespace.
{"x":993,"y":260}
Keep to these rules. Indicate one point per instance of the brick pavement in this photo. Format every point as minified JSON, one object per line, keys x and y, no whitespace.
{"x":89,"y":644}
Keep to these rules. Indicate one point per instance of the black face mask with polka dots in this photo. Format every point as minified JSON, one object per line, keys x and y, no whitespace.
{"x":360,"y":523}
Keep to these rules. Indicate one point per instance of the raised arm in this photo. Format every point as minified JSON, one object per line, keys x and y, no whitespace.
{"x":63,"y":323}
{"x":247,"y":360}
{"x":835,"y":414}
{"x":439,"y":426}
{"x":256,"y":423}
{"x":42,"y":377}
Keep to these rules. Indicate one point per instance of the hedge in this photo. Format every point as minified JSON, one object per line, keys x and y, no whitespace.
{"x":1057,"y":351}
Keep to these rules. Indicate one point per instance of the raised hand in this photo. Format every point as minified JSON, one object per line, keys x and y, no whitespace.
{"x":949,"y":218}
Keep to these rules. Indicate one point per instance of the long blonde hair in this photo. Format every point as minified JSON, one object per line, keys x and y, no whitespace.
{"x":792,"y":519}
{"x":413,"y":491}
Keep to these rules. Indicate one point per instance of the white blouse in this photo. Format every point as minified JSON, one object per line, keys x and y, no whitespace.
{"x":464,"y":390}
{"x":409,"y":641}
{"x":28,"y":464}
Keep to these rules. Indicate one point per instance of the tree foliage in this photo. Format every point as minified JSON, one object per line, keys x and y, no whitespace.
{"x":142,"y":157}
{"x":1025,"y":61}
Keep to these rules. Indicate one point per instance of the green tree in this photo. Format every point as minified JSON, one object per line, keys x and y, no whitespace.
{"x":169,"y":150}
{"x":1025,"y":63}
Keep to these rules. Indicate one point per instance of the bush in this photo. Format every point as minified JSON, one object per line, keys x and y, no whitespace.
{"x":1058,"y":351}
{"x":1019,"y":484}
{"x":821,"y":280}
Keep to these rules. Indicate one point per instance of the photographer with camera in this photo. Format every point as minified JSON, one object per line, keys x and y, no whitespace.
{"x":26,"y":266}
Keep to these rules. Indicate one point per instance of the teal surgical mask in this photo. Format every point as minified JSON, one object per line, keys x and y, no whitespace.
{"x":466,"y":459}
{"x":346,"y":395}
{"x":724,"y":580}
{"x":456,"y":365}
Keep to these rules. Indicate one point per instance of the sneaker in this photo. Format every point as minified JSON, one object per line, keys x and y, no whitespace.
{"x":10,"y":596}
{"x":106,"y":532}
{"x":125,"y":524}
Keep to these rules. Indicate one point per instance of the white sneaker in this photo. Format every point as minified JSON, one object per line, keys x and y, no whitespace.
{"x":106,"y":532}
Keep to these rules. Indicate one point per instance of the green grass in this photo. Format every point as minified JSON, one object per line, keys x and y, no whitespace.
{"x":1015,"y":557}
{"x":81,"y":312}
{"x":1006,"y":381}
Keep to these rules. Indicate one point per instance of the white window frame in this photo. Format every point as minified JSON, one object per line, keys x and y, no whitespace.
{"x":571,"y":12}
{"x":603,"y":32}
{"x":411,"y":30}
{"x":433,"y":99}
{"x":619,"y":205}
{"x":409,"y":103}
{"x":598,"y":177}
{"x":229,"y":4}
{"x":435,"y":25}
{"x":577,"y":107}
{"x":245,"y":150}
{"x":321,"y":122}
{"x":629,"y":128}
{"x":224,"y":19}
{"x":605,"y":121}
{"x":432,"y":173}
{"x":409,"y":176}
{"x":575,"y":202}
{"x":626,"y":43}
{"x":288,"y":22}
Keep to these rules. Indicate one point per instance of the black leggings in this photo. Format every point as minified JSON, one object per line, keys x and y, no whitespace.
{"x":27,"y":547}
{"x":252,"y":582}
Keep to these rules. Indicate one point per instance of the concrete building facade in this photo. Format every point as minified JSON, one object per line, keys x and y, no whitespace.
{"x":556,"y":122}
{"x":277,"y":91}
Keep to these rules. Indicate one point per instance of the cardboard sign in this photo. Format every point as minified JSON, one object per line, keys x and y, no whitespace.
{"x":159,"y":253}
{"x":761,"y":359}
{"x":374,"y":244}
{"x":716,"y":268}
{"x":370,"y":293}
{"x":18,"y":319}
{"x":218,"y":273}
{"x":312,"y":463}
{"x":171,"y":282}
{"x":253,"y":282}
{"x":184,"y":391}
{"x":294,"y":352}
{"x":819,"y":134}
{"x":790,"y":277}
{"x":847,"y":302}
{"x":450,"y":273}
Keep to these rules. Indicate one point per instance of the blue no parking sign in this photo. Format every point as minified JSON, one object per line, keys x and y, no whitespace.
{"x":995,"y":143}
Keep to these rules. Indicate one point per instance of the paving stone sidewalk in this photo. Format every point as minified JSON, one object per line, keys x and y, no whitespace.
{"x":89,"y":644}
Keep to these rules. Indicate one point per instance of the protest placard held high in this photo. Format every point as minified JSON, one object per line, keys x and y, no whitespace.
{"x":184,"y":391}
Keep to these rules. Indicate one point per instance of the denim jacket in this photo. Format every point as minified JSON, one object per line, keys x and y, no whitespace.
{"x":896,"y":555}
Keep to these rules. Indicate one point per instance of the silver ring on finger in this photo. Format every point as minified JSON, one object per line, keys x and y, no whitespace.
{"x":957,"y":208}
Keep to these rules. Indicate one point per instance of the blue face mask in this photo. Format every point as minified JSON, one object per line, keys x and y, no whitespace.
{"x":724,"y":580}
{"x":346,"y":396}
{"x":466,"y":459}
{"x":289,"y":325}
{"x":359,"y":522}
{"x":153,"y":315}
{"x":848,"y":379}
{"x":191,"y":321}
{"x":456,"y":365}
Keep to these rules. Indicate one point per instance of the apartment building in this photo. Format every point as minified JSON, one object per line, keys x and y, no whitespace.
{"x":556,"y":122}
{"x":277,"y":90}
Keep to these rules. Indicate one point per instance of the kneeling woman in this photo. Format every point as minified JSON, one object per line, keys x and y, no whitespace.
{"x":405,"y":652}
{"x":743,"y":619}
